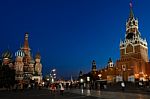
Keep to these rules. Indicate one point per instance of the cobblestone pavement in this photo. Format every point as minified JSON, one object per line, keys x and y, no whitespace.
{"x":110,"y":95}
{"x":41,"y":94}
{"x":70,"y":94}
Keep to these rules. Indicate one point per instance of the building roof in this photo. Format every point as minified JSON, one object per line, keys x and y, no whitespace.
{"x":20,"y":53}
{"x":7,"y":54}
{"x":38,"y":56}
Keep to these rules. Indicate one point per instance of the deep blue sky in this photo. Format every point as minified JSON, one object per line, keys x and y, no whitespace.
{"x":70,"y":33}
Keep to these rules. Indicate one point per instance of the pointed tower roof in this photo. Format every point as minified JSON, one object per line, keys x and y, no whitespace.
{"x":26,"y":43}
{"x":131,"y":15}
{"x":110,"y":60}
{"x":132,"y":26}
{"x":94,"y":65}
{"x":110,"y":63}
{"x":38,"y":56}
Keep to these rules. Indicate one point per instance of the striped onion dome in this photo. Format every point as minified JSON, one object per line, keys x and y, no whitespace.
{"x":20,"y":53}
{"x":7,"y":54}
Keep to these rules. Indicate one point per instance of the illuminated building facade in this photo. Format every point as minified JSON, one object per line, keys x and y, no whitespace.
{"x":133,"y":64}
{"x":26,"y":67}
{"x":133,"y":53}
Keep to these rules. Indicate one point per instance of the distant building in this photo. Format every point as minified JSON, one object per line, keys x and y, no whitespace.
{"x":94,"y":66}
{"x":133,"y":64}
{"x":110,"y":71}
{"x":133,"y":53}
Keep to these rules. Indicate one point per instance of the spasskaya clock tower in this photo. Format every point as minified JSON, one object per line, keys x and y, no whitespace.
{"x":133,"y":51}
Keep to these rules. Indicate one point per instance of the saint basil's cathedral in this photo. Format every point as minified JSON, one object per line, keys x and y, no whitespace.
{"x":26,"y":68}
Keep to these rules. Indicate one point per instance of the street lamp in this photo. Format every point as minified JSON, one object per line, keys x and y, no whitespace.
{"x":52,"y":80}
{"x":88,"y":82}
{"x":123,"y":71}
{"x":81,"y":80}
{"x":99,"y":75}
{"x":81,"y":85}
{"x":53,"y":75}
{"x":53,"y":70}
{"x":88,"y":79}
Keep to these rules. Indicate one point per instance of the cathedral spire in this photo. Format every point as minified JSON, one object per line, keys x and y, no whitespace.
{"x":26,"y":47}
{"x":26,"y":44}
{"x":38,"y":56}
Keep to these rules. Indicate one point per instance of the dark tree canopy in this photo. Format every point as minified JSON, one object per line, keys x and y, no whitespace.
{"x":7,"y":76}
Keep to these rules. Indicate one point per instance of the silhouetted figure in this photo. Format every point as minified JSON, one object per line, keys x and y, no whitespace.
{"x":123,"y":86}
{"x":61,"y":89}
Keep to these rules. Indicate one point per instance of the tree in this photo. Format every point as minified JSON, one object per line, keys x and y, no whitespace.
{"x":7,"y":76}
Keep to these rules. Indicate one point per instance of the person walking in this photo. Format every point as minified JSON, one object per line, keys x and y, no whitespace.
{"x":61,"y":89}
{"x":123,"y":86}
{"x":50,"y":88}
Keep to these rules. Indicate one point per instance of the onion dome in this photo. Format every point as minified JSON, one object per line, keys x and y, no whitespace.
{"x":7,"y":54}
{"x":20,"y":53}
{"x":38,"y":56}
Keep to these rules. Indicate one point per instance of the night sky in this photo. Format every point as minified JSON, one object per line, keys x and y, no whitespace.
{"x":70,"y":33}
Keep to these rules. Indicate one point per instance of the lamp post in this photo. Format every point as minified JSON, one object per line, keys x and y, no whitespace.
{"x":81,"y":83}
{"x":99,"y":75}
{"x":88,"y":86}
{"x":88,"y":82}
{"x":123,"y":72}
{"x":53,"y":75}
{"x":81,"y":80}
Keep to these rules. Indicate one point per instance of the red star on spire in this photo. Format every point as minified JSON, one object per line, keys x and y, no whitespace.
{"x":130,"y":4}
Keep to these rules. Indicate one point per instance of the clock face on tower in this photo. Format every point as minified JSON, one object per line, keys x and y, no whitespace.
{"x":130,"y":36}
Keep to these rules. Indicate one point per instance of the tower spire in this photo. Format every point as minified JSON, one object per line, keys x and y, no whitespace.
{"x":131,"y":16}
{"x":26,"y":43}
{"x":132,"y":25}
{"x":94,"y":66}
{"x":26,"y":47}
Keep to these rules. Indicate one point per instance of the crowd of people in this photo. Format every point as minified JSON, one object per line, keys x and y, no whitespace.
{"x":54,"y":87}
